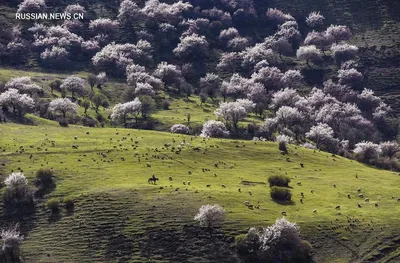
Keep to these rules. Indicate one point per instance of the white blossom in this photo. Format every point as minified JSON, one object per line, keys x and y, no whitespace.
{"x":210,"y":216}
{"x":213,"y":128}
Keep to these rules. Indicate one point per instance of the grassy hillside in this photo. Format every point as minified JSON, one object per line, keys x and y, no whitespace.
{"x":119,"y":217}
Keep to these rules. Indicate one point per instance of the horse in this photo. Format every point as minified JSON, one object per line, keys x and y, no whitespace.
{"x":153,"y":179}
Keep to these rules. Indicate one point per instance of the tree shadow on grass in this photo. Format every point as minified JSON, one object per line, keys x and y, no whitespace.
{"x":284,"y":202}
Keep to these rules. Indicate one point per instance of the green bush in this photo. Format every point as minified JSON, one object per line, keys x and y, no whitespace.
{"x":69,"y":203}
{"x":53,"y":204}
{"x":281,"y":194}
{"x":279,"y":180}
{"x":44,"y":181}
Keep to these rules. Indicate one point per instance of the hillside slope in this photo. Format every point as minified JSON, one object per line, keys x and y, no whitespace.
{"x":119,"y":217}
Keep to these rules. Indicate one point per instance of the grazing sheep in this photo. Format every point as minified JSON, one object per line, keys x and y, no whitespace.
{"x":76,"y":137}
{"x":348,"y":196}
{"x":188,"y":182}
{"x":334,"y":185}
{"x":302,"y":165}
{"x":359,"y":190}
{"x":239,"y":190}
{"x":184,"y":183}
{"x":75,"y":146}
{"x":398,"y":199}
{"x":148,"y":164}
{"x":298,"y":183}
{"x":87,"y":133}
{"x":215,"y":174}
{"x":314,"y":211}
{"x":246,"y":203}
{"x":284,"y":213}
{"x":223,"y":186}
{"x":376,"y":205}
{"x":359,"y":206}
{"x":208,"y":186}
{"x":361,"y":195}
{"x":337,"y":207}
{"x":302,"y":194}
{"x":312,"y":191}
{"x":288,"y":159}
{"x":250,"y":192}
{"x":366,"y":200}
{"x":250,"y":207}
{"x":301,"y":200}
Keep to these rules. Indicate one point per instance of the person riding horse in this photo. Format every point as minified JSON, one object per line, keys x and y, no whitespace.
{"x":153,"y":179}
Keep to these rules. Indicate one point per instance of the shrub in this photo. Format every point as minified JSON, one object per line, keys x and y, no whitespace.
{"x":69,"y":204}
{"x":166,"y":104}
{"x":44,"y":181}
{"x":281,"y":194}
{"x":282,"y":147}
{"x":54,"y":205}
{"x":279,"y":180}
{"x":63,"y":122}
{"x":180,"y":128}
{"x":17,"y":192}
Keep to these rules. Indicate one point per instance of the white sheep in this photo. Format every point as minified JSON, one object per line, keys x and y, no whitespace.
{"x":223,"y":186}
{"x":184,"y":183}
{"x":76,"y":137}
{"x":298,"y":183}
{"x":170,"y":178}
{"x":188,"y":182}
{"x":250,"y":192}
{"x":246,"y":203}
{"x":314,"y":211}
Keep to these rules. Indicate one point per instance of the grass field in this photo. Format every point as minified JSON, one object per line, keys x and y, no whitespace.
{"x":119,"y":216}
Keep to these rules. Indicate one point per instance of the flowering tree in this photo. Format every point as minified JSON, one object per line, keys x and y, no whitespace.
{"x":31,"y":6}
{"x":211,"y":84}
{"x":285,"y":97}
{"x":192,"y":46}
{"x":367,"y":150}
{"x":18,"y":103}
{"x":143,"y":89}
{"x":259,"y":52}
{"x":122,"y":111}
{"x":54,"y":55}
{"x":322,"y":40}
{"x":101,"y":79}
{"x":74,"y":84}
{"x":12,"y":240}
{"x":215,"y":129}
{"x":210,"y":216}
{"x":136,"y":74}
{"x":344,"y":52}
{"x":23,"y":85}
{"x":351,"y":77}
{"x":122,"y":55}
{"x":231,"y":112}
{"x":180,"y":128}
{"x":75,"y":9}
{"x":228,"y":34}
{"x":292,"y":78}
{"x":270,"y":77}
{"x":315,"y":19}
{"x":104,"y":26}
{"x":288,"y":116}
{"x":229,"y":62}
{"x":16,"y":181}
{"x":340,"y":33}
{"x":64,"y":106}
{"x":309,"y":53}
{"x":128,"y":12}
{"x":259,"y":96}
{"x":320,"y":133}
{"x":389,"y":149}
{"x":277,"y":238}
{"x":170,"y":74}
{"x":277,"y":16}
